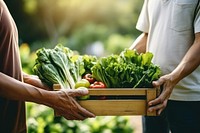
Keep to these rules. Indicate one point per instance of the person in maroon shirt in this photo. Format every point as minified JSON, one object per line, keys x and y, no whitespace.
{"x":16,"y":87}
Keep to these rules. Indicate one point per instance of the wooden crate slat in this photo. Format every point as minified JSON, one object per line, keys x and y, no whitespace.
{"x":115,"y":108}
{"x":117,"y":91}
{"x":151,"y":94}
{"x":118,"y":107}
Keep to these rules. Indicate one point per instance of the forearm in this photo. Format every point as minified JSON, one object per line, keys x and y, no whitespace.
{"x":35,"y":81}
{"x":13,"y":89}
{"x":190,"y":61}
{"x":140,"y":43}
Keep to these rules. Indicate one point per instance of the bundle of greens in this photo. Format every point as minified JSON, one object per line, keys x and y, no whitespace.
{"x":89,"y":61}
{"x":127,"y":70}
{"x":58,"y":66}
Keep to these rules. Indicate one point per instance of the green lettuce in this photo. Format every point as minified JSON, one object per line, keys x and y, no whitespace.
{"x":58,"y":66}
{"x":129,"y":69}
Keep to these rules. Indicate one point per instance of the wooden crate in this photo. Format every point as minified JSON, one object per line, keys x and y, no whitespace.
{"x":119,"y":101}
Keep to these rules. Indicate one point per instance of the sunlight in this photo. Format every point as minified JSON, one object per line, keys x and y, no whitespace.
{"x":30,"y":6}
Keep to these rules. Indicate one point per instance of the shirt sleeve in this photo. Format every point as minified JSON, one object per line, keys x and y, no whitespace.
{"x":1,"y":12}
{"x":143,"y":20}
{"x":197,"y":20}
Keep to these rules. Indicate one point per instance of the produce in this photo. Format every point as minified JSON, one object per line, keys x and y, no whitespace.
{"x":127,"y":70}
{"x":98,"y":84}
{"x":83,"y":97}
{"x":82,"y":83}
{"x":89,"y":61}
{"x":58,"y":66}
{"x":89,"y":77}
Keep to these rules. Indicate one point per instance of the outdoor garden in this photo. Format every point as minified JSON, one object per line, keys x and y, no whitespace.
{"x":91,"y":27}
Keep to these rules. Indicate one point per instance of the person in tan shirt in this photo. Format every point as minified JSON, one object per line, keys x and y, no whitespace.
{"x":16,"y":87}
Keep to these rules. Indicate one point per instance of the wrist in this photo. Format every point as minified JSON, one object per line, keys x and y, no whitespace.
{"x":174,"y":78}
{"x":41,"y":96}
{"x":48,"y":98}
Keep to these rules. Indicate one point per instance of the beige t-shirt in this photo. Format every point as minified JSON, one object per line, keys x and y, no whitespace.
{"x":12,"y":113}
{"x":171,"y":30}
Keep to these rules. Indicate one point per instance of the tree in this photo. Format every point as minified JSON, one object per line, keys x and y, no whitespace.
{"x":50,"y":19}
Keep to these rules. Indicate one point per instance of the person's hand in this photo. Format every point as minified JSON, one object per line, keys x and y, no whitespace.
{"x":35,"y":81}
{"x":160,"y":103}
{"x":65,"y":104}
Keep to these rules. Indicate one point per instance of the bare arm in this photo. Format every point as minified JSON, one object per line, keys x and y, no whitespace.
{"x":140,"y":43}
{"x":35,"y":81}
{"x":62,"y":102}
{"x":188,"y":64}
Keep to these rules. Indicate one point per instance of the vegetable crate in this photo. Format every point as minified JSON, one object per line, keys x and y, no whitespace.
{"x":119,"y":101}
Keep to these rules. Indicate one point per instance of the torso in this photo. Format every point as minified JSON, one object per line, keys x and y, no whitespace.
{"x":12,"y":113}
{"x":170,"y":35}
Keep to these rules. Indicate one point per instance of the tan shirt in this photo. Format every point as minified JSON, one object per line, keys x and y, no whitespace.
{"x":171,"y":30}
{"x":12,"y":113}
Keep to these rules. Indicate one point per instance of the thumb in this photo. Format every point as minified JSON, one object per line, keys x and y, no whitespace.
{"x":81,"y":91}
{"x":158,"y":82}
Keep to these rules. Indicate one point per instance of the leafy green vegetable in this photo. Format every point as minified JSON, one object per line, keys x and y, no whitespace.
{"x":89,"y":61}
{"x":127,"y":70}
{"x":56,"y":66}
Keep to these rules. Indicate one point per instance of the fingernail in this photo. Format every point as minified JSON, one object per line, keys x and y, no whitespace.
{"x":85,"y":92}
{"x":150,"y":104}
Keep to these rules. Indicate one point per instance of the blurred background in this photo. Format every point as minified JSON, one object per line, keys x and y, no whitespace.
{"x":94,"y":27}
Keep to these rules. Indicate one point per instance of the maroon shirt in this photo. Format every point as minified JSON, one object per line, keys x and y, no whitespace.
{"x":12,"y":113}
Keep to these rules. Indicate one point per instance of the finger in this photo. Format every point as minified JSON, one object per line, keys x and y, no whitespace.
{"x":163,"y":96}
{"x":156,"y":107}
{"x":82,"y":110}
{"x":77,"y":116}
{"x":165,"y":104}
{"x":160,"y":107}
{"x":71,"y":115}
{"x":160,"y":111}
{"x":78,"y":113}
{"x":158,"y":82}
{"x":78,"y":92}
{"x":86,"y":113}
{"x":156,"y":101}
